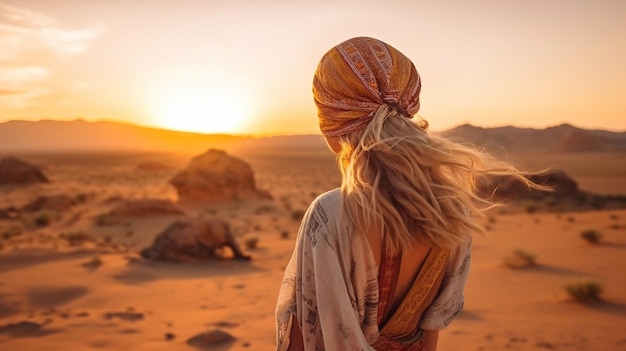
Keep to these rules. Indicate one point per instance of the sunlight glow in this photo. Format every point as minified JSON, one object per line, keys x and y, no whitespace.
{"x":202,"y":108}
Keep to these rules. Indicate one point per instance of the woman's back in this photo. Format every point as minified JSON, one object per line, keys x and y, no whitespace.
{"x":411,"y":262}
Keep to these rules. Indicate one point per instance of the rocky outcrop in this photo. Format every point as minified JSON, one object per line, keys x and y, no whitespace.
{"x":16,"y":171}
{"x":216,"y":177}
{"x":509,"y":188}
{"x":193,"y":239}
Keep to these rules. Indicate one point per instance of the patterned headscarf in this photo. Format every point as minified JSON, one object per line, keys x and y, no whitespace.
{"x":357,"y":77}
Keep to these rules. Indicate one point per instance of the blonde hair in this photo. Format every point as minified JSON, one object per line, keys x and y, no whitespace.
{"x":410,"y":185}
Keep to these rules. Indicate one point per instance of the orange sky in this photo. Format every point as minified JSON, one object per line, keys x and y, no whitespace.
{"x":246,"y":66}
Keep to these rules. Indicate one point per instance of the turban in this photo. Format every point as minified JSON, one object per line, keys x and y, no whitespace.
{"x":355,"y":78}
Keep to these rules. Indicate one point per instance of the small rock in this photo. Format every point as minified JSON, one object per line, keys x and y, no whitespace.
{"x":210,"y":338}
{"x":545,"y":345}
{"x":127,"y":316}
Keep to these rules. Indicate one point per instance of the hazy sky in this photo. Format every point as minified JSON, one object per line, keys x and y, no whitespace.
{"x":246,"y":66}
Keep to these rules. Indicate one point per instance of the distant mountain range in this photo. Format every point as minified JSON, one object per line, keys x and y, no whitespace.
{"x":79,"y":135}
{"x":561,"y":138}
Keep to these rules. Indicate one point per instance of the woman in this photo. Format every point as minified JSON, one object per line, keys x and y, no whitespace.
{"x":381,"y":263}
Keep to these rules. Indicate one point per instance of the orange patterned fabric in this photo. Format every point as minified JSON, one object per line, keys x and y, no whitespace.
{"x":358,"y":76}
{"x":399,"y":328}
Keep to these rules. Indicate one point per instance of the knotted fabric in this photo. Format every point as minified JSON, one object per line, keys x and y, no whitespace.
{"x":355,"y":78}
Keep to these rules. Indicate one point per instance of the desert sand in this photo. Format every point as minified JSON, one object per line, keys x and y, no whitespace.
{"x":97,"y":293}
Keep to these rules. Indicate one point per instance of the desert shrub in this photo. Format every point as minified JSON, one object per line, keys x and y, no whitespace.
{"x":591,"y":236}
{"x":75,"y":238}
{"x":284,"y":234}
{"x":263,"y":209}
{"x":571,"y":219}
{"x":43,"y":218}
{"x":104,"y":219}
{"x":95,"y":262}
{"x":615,"y":226}
{"x":252,"y":242}
{"x":614,"y":216}
{"x":520,"y":259}
{"x":585,"y":291}
{"x":492,"y":219}
{"x":1,"y":245}
{"x":82,"y":198}
{"x":297,"y":215}
{"x":257,"y":227}
{"x":531,"y":208}
{"x":11,"y":231}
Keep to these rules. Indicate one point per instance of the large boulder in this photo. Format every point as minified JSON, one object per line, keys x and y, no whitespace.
{"x":216,"y":177}
{"x":509,"y":188}
{"x":16,"y":171}
{"x":194,"y":239}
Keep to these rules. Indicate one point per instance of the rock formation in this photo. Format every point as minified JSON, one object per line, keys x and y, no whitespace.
{"x":192,"y":240}
{"x":16,"y":171}
{"x":216,"y":177}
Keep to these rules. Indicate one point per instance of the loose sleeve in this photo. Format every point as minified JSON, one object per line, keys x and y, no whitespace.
{"x":317,"y":288}
{"x":449,"y":301}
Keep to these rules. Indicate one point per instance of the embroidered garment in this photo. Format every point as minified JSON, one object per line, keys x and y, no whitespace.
{"x":331,"y":287}
{"x":356,"y":77}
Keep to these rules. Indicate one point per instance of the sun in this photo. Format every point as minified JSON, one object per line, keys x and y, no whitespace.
{"x":201,"y":108}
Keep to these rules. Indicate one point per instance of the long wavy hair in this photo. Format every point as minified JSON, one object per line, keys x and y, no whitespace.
{"x":413,"y":186}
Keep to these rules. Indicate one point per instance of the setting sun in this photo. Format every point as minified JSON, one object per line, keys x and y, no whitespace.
{"x":202,"y":107}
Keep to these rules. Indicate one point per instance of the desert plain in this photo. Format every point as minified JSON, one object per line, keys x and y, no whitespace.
{"x":72,"y":278}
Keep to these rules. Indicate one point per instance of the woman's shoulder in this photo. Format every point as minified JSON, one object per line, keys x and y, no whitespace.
{"x":329,"y":200}
{"x":326,"y":207}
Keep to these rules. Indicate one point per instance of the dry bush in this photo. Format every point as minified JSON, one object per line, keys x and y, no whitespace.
{"x":252,"y":242}
{"x":519,"y":259}
{"x":76,"y":238}
{"x":532,"y":208}
{"x":11,"y":231}
{"x":43,"y":218}
{"x":297,"y":215}
{"x":263,"y":209}
{"x":585,"y":291}
{"x":591,"y":236}
{"x":1,"y":244}
{"x":284,"y":234}
{"x":95,"y":262}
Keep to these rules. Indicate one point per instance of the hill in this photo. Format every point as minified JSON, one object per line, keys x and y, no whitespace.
{"x":563,"y":138}
{"x":79,"y":135}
